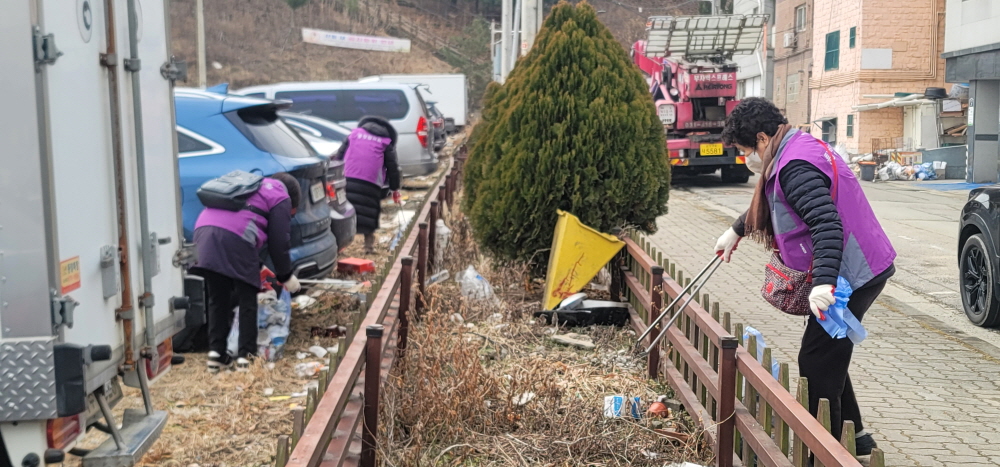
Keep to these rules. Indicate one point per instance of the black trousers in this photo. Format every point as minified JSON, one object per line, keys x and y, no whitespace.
{"x":825,"y":360}
{"x":224,"y":294}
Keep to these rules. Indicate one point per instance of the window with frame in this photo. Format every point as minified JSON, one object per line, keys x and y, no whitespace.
{"x":830,"y":131}
{"x":792,"y":88}
{"x":831,"y":60}
{"x":850,"y":125}
{"x":800,"y":18}
{"x":852,"y":37}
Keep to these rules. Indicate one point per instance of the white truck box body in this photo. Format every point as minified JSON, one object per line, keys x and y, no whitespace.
{"x":58,"y":202}
{"x":449,"y":91}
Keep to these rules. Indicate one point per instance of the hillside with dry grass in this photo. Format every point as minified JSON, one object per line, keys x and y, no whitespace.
{"x":258,"y":42}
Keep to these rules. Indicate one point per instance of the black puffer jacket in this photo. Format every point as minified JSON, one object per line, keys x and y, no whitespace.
{"x":807,"y":190}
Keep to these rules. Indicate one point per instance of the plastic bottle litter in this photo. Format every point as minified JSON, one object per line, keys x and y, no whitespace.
{"x":473,"y":286}
{"x":439,"y":277}
{"x":307,"y":370}
{"x":442,"y":235}
{"x":318,"y":351}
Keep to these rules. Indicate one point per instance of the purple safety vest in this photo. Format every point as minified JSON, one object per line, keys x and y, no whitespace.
{"x":867,"y":250}
{"x":365,"y":156}
{"x":248,"y":225}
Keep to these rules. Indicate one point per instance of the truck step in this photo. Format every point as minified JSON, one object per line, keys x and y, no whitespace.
{"x":139,"y":431}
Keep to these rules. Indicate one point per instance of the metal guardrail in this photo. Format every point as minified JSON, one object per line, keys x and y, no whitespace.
{"x":748,"y":416}
{"x":339,"y":425}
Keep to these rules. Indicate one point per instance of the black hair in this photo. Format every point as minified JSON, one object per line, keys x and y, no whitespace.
{"x":291,"y":186}
{"x":751,"y":116}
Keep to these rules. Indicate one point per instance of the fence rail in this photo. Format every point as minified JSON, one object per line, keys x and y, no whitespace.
{"x":338,"y":426}
{"x":748,"y":415}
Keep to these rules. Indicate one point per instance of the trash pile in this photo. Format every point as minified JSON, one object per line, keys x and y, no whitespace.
{"x":926,"y":171}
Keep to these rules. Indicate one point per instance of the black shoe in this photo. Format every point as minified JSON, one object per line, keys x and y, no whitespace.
{"x":217,"y":362}
{"x":865,"y":444}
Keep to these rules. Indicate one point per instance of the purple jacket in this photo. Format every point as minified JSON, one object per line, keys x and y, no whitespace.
{"x":369,"y":153}
{"x":230,"y":242}
{"x":867,"y":250}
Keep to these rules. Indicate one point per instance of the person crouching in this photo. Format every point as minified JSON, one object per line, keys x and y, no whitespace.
{"x":369,"y":156}
{"x":229,"y":246}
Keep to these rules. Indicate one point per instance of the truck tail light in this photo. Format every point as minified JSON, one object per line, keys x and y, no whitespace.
{"x":676,"y":153}
{"x":422,"y":131}
{"x":667,"y":113}
{"x":331,"y":192}
{"x":164,"y":353}
{"x":61,"y":432}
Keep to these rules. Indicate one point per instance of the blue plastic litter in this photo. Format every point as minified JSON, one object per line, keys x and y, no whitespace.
{"x":840,"y":322}
{"x":750,"y":331}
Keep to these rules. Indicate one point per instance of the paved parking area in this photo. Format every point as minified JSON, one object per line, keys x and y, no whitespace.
{"x":927,"y":382}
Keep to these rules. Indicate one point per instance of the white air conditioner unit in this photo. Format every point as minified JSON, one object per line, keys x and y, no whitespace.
{"x":791,"y":40}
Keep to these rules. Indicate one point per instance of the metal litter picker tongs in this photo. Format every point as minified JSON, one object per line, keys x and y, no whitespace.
{"x":710,"y":269}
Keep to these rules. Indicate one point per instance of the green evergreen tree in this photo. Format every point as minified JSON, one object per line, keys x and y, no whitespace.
{"x":573,"y":128}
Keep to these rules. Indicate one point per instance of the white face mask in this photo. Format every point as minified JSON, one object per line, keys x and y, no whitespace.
{"x":754,"y":163}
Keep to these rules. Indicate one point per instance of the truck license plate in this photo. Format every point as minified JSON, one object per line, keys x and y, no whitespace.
{"x":711,"y":149}
{"x":317,"y":192}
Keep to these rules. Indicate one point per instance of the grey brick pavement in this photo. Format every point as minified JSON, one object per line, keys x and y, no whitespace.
{"x":928,"y":397}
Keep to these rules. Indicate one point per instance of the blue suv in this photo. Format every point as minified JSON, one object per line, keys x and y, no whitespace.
{"x":218,"y":133}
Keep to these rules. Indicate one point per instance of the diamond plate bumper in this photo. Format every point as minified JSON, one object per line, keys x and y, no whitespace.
{"x":27,"y":380}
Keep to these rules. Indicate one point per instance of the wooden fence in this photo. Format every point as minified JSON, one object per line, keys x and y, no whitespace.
{"x":749,"y":416}
{"x":338,"y":425}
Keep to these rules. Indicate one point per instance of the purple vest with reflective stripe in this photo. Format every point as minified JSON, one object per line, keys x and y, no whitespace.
{"x":249,"y":226}
{"x":365,"y":156}
{"x":867,"y":250}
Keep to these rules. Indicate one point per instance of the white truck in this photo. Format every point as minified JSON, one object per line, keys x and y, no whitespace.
{"x":92,"y":281}
{"x":448,"y":91}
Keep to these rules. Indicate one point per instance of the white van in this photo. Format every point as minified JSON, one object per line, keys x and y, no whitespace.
{"x":345,"y":102}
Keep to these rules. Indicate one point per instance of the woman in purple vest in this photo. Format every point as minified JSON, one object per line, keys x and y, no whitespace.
{"x":229,"y":245}
{"x":369,"y":156}
{"x":817,"y":225}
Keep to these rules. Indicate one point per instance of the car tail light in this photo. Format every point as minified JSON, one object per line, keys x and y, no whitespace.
{"x":438,"y":123}
{"x":422,"y":131}
{"x":331,"y":192}
{"x":61,"y":432}
{"x":164,"y":353}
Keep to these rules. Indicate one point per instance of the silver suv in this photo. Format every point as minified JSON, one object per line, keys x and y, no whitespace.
{"x":345,"y":102}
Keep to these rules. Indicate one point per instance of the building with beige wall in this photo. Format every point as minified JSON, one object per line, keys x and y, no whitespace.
{"x":793,"y":58}
{"x":864,"y":53}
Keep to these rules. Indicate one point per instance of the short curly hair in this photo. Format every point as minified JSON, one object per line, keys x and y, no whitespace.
{"x":751,"y":116}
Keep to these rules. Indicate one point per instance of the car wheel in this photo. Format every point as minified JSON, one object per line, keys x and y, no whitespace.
{"x":977,"y":284}
{"x":735,"y":174}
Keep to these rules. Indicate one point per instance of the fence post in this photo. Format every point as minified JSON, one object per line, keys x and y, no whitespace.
{"x":405,"y":283}
{"x":656,"y":292}
{"x":298,"y":424}
{"x":281,"y":459}
{"x":447,"y":190}
{"x":373,"y":377}
{"x":431,"y":234}
{"x":726,"y":418}
{"x":421,"y":268}
{"x":440,"y":200}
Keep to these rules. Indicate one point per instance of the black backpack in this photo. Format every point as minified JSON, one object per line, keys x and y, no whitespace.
{"x":231,"y":192}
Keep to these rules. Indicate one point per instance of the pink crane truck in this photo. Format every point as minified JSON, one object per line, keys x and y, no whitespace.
{"x":688,"y":62}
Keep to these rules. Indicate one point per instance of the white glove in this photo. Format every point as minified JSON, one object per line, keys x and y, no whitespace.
{"x":820,"y":300}
{"x":726,"y":244}
{"x":292,"y":284}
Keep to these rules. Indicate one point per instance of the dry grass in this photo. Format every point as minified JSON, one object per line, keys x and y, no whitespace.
{"x":455,"y":399}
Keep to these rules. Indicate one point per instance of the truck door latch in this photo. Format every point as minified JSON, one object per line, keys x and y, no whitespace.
{"x":62,"y":310}
{"x":46,"y":52}
{"x":174,"y":70}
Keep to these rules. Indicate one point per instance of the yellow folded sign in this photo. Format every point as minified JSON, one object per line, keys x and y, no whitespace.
{"x":578,"y":254}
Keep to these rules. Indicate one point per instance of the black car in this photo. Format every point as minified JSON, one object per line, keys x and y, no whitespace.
{"x":977,"y":256}
{"x":438,"y":123}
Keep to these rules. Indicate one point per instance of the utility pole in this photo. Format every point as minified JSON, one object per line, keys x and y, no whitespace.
{"x":202,"y":70}
{"x":505,"y":24}
{"x":529,"y":24}
{"x":515,"y":43}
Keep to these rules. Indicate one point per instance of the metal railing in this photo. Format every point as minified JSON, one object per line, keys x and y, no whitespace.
{"x":748,"y":416}
{"x":339,"y":424}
